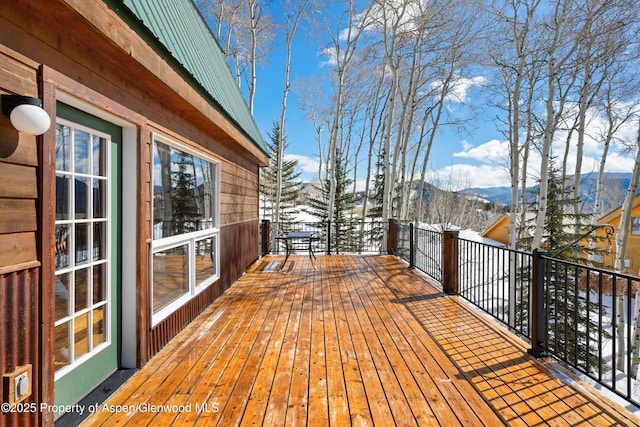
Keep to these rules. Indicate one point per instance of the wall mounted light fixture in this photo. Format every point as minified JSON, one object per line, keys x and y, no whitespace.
{"x":26,"y":114}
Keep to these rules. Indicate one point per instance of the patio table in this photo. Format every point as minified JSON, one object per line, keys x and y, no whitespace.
{"x":298,"y":240}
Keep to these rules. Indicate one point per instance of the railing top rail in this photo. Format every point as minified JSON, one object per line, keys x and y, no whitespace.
{"x":574,"y":264}
{"x":502,"y":248}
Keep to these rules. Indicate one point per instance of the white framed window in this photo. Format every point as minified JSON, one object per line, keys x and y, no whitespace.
{"x":635,"y":226}
{"x":185,"y":256}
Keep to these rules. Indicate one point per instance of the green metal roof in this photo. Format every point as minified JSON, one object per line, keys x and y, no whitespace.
{"x":186,"y":38}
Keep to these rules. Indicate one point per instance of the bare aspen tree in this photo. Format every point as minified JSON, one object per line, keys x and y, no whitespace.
{"x":560,"y":52}
{"x":245,"y":32}
{"x":293,"y":11}
{"x":389,"y":20}
{"x":373,"y":119}
{"x":456,"y":33}
{"x":617,"y":113}
{"x":513,"y":55}
{"x":603,"y":44}
{"x":342,"y":49}
{"x":621,"y":249}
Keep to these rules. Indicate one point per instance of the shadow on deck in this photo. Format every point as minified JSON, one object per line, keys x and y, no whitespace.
{"x":360,"y":340}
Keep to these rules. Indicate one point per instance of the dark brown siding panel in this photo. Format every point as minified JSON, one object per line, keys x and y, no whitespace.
{"x":16,"y":249}
{"x":234,"y":259}
{"x":19,"y":322}
{"x":18,"y":181}
{"x":18,"y":215}
{"x":238,"y":249}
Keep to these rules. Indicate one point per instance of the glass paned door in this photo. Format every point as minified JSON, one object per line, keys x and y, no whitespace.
{"x":82,"y":244}
{"x":87,"y":258}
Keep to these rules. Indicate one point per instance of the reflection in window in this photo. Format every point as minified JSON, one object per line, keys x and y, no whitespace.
{"x":81,"y":243}
{"x":183,"y":192}
{"x":185,"y":226}
{"x":170,"y":276}
{"x":205,"y":259}
{"x":635,"y":226}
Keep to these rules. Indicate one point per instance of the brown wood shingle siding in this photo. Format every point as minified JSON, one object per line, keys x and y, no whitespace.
{"x":18,"y":173}
{"x":19,"y":265}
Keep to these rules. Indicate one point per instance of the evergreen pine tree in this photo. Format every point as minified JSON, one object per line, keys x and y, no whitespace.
{"x":375,"y":211}
{"x":291,"y":183}
{"x":346,"y":237}
{"x":377,"y":229}
{"x":183,"y":198}
{"x":568,"y":310}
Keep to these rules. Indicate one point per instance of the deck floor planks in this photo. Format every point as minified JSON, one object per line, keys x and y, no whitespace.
{"x":259,"y":344}
{"x":298,"y":399}
{"x":461,"y":403}
{"x":374,"y":360}
{"x":430,"y":378}
{"x":359,"y":340}
{"x":395,"y":349}
{"x":203,"y":353}
{"x":276,"y":411}
{"x":341,"y":410}
{"x":223,"y":346}
{"x":318,"y":391}
{"x":160,"y":367}
{"x":239,"y":338}
{"x":357,"y":395}
{"x":490,"y":361}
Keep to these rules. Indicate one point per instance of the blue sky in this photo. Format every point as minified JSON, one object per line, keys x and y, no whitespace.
{"x":475,"y":158}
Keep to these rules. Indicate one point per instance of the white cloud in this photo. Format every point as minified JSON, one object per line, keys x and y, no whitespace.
{"x":494,"y":151}
{"x":459,"y":176}
{"x":466,"y":146}
{"x":459,"y":89}
{"x":305,"y":163}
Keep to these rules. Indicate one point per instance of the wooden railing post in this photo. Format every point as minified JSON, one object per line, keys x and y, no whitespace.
{"x":265,"y":245}
{"x":537,"y":312}
{"x":391,"y":236}
{"x":450,"y":262}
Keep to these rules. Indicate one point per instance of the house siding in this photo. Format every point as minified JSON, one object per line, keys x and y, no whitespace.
{"x":81,"y":49}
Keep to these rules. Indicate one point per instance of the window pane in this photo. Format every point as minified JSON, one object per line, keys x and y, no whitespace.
{"x":99,"y":241}
{"x":81,"y":293}
{"x":170,"y":276}
{"x":62,"y":197}
{"x":205,"y":260}
{"x":82,"y":198}
{"x":99,"y":283}
{"x":635,"y":226}
{"x":81,"y":151}
{"x":99,"y":198}
{"x":62,"y":346}
{"x":63,"y":148}
{"x":82,"y":247}
{"x":81,"y":338}
{"x":62,"y":295}
{"x":183,"y":192}
{"x":62,"y":246}
{"x":98,"y":326}
{"x":99,"y":156}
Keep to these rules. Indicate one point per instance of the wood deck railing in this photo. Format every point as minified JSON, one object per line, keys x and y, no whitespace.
{"x":361,"y":340}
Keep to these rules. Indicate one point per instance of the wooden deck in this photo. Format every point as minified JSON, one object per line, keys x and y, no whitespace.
{"x":361,"y":340}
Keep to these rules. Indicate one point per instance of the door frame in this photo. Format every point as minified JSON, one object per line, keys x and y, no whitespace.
{"x":58,"y":87}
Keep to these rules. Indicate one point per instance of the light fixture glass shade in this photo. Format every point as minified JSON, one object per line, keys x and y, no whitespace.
{"x":30,"y":119}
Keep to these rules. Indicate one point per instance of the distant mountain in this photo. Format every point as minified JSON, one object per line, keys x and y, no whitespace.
{"x":615,"y":183}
